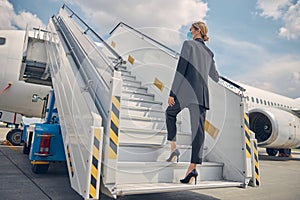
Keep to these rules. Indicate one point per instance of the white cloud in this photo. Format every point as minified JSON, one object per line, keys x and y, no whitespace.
{"x":280,"y":74}
{"x":291,"y":30}
{"x":150,"y":16}
{"x":286,"y":10}
{"x":12,"y":20}
{"x":273,"y":9}
{"x":253,"y":64}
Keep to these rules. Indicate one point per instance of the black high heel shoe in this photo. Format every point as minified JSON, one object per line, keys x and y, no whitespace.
{"x":188,"y":178}
{"x":172,"y":156}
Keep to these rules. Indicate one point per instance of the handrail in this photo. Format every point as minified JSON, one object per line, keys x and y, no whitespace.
{"x":119,"y":58}
{"x":233,"y":84}
{"x":99,"y":106}
{"x":171,"y":50}
{"x":146,"y":36}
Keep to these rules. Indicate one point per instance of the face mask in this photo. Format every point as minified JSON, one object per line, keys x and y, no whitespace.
{"x":189,"y":35}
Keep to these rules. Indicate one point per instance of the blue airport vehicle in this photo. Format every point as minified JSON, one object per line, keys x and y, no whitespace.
{"x":43,"y":141}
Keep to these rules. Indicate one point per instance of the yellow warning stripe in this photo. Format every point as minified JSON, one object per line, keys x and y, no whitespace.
{"x":70,"y":161}
{"x":248,"y":142}
{"x":94,"y":166}
{"x":94,"y":171}
{"x":96,"y":154}
{"x":114,"y":137}
{"x":116,"y":102}
{"x":247,"y":135}
{"x":114,"y":127}
{"x":115,"y":119}
{"x":39,"y":162}
{"x":257,"y":178}
{"x":111,"y":153}
{"x":248,"y":155}
{"x":246,"y":117}
{"x":93,"y":191}
{"x":247,"y":130}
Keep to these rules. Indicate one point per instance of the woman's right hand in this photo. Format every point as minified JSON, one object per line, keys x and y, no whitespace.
{"x":171,"y":101}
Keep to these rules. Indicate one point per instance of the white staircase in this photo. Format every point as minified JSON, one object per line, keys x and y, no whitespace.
{"x":143,"y":147}
{"x":85,"y":82}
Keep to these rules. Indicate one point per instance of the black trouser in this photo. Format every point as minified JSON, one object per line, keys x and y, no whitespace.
{"x":197,"y":118}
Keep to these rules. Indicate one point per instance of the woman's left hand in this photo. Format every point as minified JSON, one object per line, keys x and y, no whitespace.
{"x":171,"y":101}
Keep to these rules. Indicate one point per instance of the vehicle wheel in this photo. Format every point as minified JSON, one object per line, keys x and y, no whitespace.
{"x":40,"y":168}
{"x":272,"y":152}
{"x":14,"y":137}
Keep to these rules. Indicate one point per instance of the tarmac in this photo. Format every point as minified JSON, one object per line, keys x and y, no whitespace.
{"x":279,"y":181}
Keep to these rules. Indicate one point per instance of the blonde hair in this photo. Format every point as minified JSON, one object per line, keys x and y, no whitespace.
{"x":203,"y":29}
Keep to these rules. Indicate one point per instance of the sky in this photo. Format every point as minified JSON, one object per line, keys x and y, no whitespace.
{"x":255,"y":42}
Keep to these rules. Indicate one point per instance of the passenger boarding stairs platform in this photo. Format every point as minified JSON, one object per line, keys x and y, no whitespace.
{"x":111,"y":98}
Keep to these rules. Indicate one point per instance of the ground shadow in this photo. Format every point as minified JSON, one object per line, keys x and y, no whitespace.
{"x":188,"y":195}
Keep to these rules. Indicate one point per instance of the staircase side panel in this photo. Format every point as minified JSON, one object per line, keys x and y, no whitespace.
{"x":78,"y":116}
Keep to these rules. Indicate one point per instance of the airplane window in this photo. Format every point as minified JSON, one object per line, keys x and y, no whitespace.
{"x":2,"y":41}
{"x":252,"y":98}
{"x":265,"y":102}
{"x":247,"y":98}
{"x":268,"y":103}
{"x":261,"y":102}
{"x":257,"y":101}
{"x":271,"y":103}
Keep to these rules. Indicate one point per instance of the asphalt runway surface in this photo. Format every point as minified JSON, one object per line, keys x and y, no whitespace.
{"x":280,"y":180}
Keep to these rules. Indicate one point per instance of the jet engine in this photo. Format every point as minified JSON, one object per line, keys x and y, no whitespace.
{"x":275,"y":128}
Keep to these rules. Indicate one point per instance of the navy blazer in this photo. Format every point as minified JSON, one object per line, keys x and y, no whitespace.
{"x":195,"y":64}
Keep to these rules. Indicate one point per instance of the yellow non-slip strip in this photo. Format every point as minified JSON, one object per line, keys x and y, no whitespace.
{"x":130,"y":59}
{"x":116,"y":102}
{"x":211,"y":129}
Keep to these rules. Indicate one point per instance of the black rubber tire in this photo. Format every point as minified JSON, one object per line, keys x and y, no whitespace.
{"x":272,"y":152}
{"x":39,"y":169}
{"x":14,"y":136}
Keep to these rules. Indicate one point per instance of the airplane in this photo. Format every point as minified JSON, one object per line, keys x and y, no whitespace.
{"x":15,"y":92}
{"x":274,"y":118}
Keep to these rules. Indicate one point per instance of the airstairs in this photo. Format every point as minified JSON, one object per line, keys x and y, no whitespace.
{"x":111,"y":98}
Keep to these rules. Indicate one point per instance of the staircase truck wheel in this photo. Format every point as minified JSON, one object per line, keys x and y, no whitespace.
{"x":14,"y":137}
{"x":39,"y":168}
{"x":272,"y":152}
